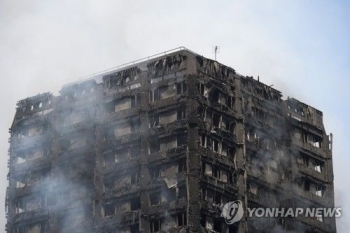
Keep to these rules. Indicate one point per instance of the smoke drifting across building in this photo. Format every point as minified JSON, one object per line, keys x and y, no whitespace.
{"x":161,"y":145}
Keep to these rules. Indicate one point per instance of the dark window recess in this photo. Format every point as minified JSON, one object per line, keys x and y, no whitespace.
{"x":150,"y":96}
{"x":231,"y":152}
{"x":181,"y":114}
{"x":154,"y":146}
{"x":155,"y":198}
{"x":231,"y":178}
{"x":203,"y":141}
{"x":109,"y":183}
{"x":181,"y":88}
{"x":135,"y":125}
{"x":215,"y":146}
{"x":184,"y":87}
{"x":230,"y":101}
{"x":155,"y":95}
{"x":135,"y":204}
{"x":181,"y":139}
{"x":203,"y":167}
{"x":305,"y":160}
{"x":134,"y":228}
{"x":155,"y":226}
{"x":153,"y":120}
{"x":259,"y":114}
{"x":162,"y":90}
{"x":201,"y":88}
{"x":216,"y":173}
{"x":225,"y":124}
{"x":203,"y":220}
{"x":181,"y":165}
{"x":182,"y":219}
{"x":135,"y":178}
{"x":135,"y":100}
{"x":109,"y":209}
{"x":217,"y":225}
{"x":233,"y":229}
{"x":109,"y":133}
{"x":215,"y":95}
{"x":182,"y":192}
{"x":216,"y":120}
{"x":155,"y":172}
{"x":110,"y":107}
{"x":109,"y":158}
{"x":217,"y":198}
{"x":232,"y":127}
{"x":281,"y":222}
{"x":307,"y":185}
{"x":224,"y":148}
{"x":171,"y":194}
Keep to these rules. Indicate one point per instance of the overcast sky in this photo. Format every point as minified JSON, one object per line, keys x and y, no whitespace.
{"x":301,"y":47}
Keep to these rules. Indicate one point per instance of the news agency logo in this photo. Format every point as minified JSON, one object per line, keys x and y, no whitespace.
{"x":233,"y":212}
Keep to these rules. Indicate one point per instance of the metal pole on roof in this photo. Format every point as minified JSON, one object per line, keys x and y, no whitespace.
{"x":216,"y":50}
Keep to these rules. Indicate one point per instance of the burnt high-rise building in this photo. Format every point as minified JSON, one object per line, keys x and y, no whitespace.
{"x":161,"y":145}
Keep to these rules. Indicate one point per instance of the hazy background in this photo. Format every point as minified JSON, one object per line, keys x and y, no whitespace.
{"x":301,"y":47}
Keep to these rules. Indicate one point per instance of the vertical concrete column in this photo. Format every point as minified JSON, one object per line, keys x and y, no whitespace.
{"x":54,"y":172}
{"x":144,"y":173}
{"x":241,"y":151}
{"x":329,"y":175}
{"x":98,"y":177}
{"x":193,"y":154}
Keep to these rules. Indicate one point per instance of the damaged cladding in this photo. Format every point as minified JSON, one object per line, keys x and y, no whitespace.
{"x":161,"y":146}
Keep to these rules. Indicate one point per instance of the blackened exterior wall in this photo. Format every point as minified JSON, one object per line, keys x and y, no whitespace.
{"x":162,"y":145}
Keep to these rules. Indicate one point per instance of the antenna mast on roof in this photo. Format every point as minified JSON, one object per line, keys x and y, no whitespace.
{"x":216,"y":50}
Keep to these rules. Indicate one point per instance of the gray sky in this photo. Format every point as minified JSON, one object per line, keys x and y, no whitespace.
{"x":302,"y":47}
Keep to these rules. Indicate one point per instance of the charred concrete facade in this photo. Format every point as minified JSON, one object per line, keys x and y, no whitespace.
{"x":160,"y":146}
